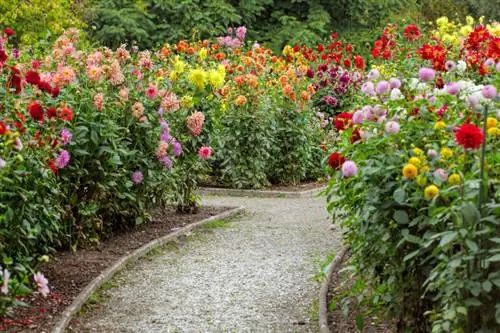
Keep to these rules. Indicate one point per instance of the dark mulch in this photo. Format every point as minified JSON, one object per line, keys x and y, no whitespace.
{"x":339,"y":283}
{"x":68,"y":273}
{"x":303,"y":186}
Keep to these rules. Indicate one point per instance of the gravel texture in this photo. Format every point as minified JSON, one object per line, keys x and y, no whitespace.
{"x":254,"y":275}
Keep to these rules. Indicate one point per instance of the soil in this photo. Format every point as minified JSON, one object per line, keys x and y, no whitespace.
{"x":68,"y":273}
{"x":337,"y":322}
{"x":303,"y":186}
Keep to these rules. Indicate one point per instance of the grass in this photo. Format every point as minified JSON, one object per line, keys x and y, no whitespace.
{"x":216,"y":224}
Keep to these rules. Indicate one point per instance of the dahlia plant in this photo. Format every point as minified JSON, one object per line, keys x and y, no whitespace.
{"x":415,"y":183}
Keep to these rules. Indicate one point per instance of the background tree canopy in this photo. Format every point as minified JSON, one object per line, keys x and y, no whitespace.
{"x":273,"y":22}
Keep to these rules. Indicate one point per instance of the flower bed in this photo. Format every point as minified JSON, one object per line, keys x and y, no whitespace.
{"x":415,"y":180}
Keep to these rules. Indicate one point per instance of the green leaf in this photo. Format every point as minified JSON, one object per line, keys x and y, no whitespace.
{"x":401,"y":217}
{"x":411,"y":255}
{"x":448,"y":238}
{"x":471,"y":245}
{"x":494,"y":258}
{"x":400,"y":195}
{"x":471,"y":214}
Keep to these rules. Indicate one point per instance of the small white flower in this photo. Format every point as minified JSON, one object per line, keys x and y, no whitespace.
{"x":396,"y":94}
{"x":2,"y":163}
{"x":6,"y":279}
{"x":461,"y":66}
{"x":413,"y":83}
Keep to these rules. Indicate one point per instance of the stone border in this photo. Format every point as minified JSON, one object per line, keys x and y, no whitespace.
{"x":79,"y":301}
{"x":323,"y":293}
{"x":260,"y":193}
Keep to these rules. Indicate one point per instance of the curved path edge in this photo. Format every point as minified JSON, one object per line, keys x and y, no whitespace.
{"x":260,"y":193}
{"x":323,"y":293}
{"x":106,"y":275}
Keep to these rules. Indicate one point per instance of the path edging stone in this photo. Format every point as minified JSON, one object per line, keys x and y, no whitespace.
{"x":260,"y":193}
{"x":106,"y":275}
{"x":323,"y":293}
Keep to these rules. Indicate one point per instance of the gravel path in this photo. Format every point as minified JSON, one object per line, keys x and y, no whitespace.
{"x":254,"y":275}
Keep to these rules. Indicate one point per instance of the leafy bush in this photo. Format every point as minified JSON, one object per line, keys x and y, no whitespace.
{"x":34,"y":21}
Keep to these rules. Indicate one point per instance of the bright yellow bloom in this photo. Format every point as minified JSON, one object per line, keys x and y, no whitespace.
{"x":410,"y":171}
{"x":439,"y":125}
{"x":187,"y":101}
{"x":454,"y":179}
{"x":173,"y":76}
{"x":203,"y":53}
{"x":465,"y":30}
{"x":221,"y":69}
{"x":198,"y":77}
{"x":431,"y":191}
{"x":442,"y":21}
{"x":469,"y":19}
{"x":415,"y":161}
{"x":418,"y":151}
{"x":446,"y":153}
{"x":179,"y":65}
{"x":216,"y":79}
{"x":423,"y":169}
{"x":491,"y":122}
{"x":494,"y":131}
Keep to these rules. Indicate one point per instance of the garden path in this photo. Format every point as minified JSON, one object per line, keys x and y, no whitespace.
{"x":254,"y":274}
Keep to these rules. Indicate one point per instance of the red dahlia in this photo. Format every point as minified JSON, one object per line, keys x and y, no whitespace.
{"x":9,"y":31}
{"x":66,"y":114}
{"x":336,"y":160}
{"x":469,"y":136}
{"x":411,"y":32}
{"x":36,"y":111}
{"x":3,"y":128}
{"x":360,"y":63}
{"x":343,"y":120}
{"x":51,"y":112}
{"x":32,"y":77}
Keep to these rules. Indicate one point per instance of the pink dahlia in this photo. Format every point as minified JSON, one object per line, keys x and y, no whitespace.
{"x":205,"y":152}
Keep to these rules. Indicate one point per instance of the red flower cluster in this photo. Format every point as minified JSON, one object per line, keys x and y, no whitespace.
{"x":3,"y":128}
{"x":336,"y":160}
{"x":343,"y":121}
{"x":411,"y":32}
{"x":435,"y":53}
{"x":9,"y":32}
{"x":33,"y":78}
{"x":481,"y":45}
{"x":14,"y":80}
{"x":469,"y":136}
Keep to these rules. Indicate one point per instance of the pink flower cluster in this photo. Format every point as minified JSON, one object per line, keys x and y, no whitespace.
{"x":195,"y":123}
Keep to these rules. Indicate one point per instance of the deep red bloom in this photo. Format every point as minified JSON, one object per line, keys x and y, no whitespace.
{"x":66,"y":114}
{"x":343,"y":120}
{"x":9,"y":32}
{"x":376,"y":52}
{"x":45,"y":86}
{"x":296,"y":48}
{"x":14,"y":80}
{"x":469,"y":136}
{"x":36,"y":111}
{"x":51,"y":112}
{"x":355,"y":136}
{"x":348,"y":48}
{"x":334,"y":35}
{"x":52,"y":166}
{"x":347,"y":62}
{"x":360,"y":63}
{"x":439,"y":82}
{"x":411,"y":32}
{"x":3,"y":56}
{"x":310,"y":73}
{"x":32,"y":77}
{"x":336,"y":160}
{"x":321,"y":48}
{"x":386,"y":54}
{"x":35,"y":64}
{"x":55,"y":92}
{"x":3,"y":128}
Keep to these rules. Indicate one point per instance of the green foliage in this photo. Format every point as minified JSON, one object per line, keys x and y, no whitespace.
{"x":39,"y":19}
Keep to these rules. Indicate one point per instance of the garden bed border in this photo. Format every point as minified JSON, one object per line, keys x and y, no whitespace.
{"x":232,"y":192}
{"x":323,"y":293}
{"x":66,"y":317}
